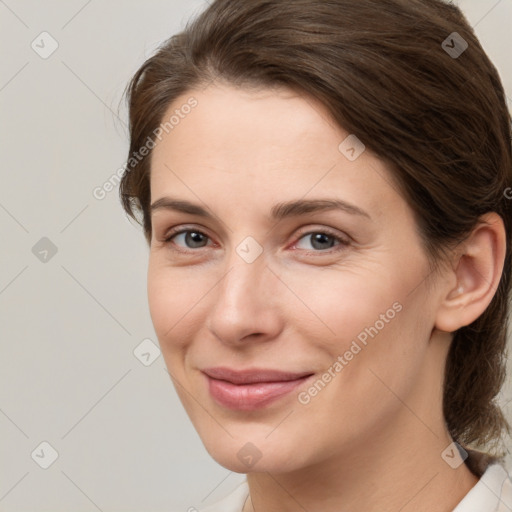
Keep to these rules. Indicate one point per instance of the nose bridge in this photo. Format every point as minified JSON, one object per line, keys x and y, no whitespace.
{"x":243,"y":299}
{"x":241,"y":289}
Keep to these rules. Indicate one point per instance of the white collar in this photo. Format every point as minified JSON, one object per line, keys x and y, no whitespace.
{"x":493,"y":491}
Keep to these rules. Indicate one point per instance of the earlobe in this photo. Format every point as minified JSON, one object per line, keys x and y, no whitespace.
{"x":477,"y":274}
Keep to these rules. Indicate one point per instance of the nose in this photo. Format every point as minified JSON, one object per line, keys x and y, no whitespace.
{"x":245,"y":303}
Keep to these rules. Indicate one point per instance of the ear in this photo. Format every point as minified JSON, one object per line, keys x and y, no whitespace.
{"x":477,"y":271}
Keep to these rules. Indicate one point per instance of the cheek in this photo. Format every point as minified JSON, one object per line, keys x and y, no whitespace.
{"x":173,"y":300}
{"x":341,"y":303}
{"x":367,"y":365}
{"x":368,"y":317}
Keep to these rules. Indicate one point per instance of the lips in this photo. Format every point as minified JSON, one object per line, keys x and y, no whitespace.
{"x":252,"y":388}
{"x":251,"y":376}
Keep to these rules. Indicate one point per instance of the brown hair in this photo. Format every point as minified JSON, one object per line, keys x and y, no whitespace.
{"x":386,"y":71}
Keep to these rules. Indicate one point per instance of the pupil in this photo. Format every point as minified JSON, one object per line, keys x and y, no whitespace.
{"x":193,"y":238}
{"x":321,"y":238}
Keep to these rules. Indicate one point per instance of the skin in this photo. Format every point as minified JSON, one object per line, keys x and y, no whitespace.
{"x":372,"y":438}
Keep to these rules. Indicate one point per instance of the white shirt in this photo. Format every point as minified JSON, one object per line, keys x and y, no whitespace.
{"x":492,"y":492}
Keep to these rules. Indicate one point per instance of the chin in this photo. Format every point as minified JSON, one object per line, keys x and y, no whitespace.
{"x":245,"y":456}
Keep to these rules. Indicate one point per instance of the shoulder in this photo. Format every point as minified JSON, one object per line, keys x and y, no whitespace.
{"x":233,"y":502}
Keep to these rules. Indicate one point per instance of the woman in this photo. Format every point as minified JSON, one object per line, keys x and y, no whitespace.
{"x":323,"y":187}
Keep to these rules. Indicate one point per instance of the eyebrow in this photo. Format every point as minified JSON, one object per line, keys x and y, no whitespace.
{"x":278,"y":212}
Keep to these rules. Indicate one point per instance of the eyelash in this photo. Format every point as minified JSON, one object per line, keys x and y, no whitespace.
{"x":342,"y":242}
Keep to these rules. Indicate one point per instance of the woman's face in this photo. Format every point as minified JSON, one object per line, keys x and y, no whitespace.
{"x":265,"y":278}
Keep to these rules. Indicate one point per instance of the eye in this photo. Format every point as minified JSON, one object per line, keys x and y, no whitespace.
{"x":191,"y":238}
{"x":321,"y":240}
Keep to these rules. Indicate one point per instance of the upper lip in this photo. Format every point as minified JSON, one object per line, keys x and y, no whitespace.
{"x":252,"y":375}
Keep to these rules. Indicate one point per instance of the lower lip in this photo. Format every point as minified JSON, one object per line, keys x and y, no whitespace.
{"x":249,"y":397}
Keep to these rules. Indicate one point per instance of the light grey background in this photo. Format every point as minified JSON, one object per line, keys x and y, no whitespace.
{"x":69,"y":326}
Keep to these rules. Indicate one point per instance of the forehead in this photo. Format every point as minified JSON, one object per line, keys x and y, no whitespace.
{"x":238,"y":122}
{"x":277,"y":142}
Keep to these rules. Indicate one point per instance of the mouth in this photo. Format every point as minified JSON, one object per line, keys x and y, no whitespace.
{"x":251,"y":389}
